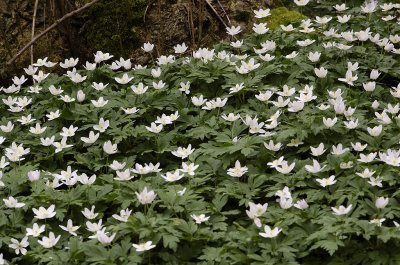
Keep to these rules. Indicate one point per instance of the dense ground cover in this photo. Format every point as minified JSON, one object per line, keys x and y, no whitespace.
{"x":281,"y":147}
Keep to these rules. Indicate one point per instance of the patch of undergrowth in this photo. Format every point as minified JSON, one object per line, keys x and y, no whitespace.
{"x":281,"y":147}
{"x":110,"y":25}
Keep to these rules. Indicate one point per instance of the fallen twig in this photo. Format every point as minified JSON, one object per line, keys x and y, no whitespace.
{"x":58,"y":21}
{"x":216,"y":13}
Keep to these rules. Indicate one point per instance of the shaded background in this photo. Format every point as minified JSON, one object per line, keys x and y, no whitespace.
{"x":116,"y":26}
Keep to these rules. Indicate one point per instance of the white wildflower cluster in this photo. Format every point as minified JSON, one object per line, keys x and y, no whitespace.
{"x":312,"y":121}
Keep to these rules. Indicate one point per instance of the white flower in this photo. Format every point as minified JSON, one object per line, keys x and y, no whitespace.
{"x":291,"y":55}
{"x":61,"y":145}
{"x":349,"y":78}
{"x":80,"y":96}
{"x":301,"y":204}
{"x":172,"y":176}
{"x":85,"y":180}
{"x":146,"y":197}
{"x":91,"y":139}
{"x":123,"y":216}
{"x":100,"y":86}
{"x":117,"y":165}
{"x":317,"y":151}
{"x":377,"y":221}
{"x":189,"y":168}
{"x":11,"y":202}
{"x":198,"y":101}
{"x":314,"y":56}
{"x":374,"y":74}
{"x":367,"y":158}
{"x":339,"y":150}
{"x":102,"y":236}
{"x":43,"y":213}
{"x":351,"y":124}
{"x":256,"y":210}
{"x":260,"y":28}
{"x":143,"y":246}
{"x":148,"y":47}
{"x":315,"y":168}
{"x":89,"y":214}
{"x":375,"y":131}
{"x":381,"y":202}
{"x":264,"y":96}
{"x":70,"y":228}
{"x":369,"y":87}
{"x":285,"y":168}
{"x":341,"y":7}
{"x":68,"y":132}
{"x":236,"y":88}
{"x":19,"y":246}
{"x":180,"y":48}
{"x":99,"y":103}
{"x":184,"y":87}
{"x":237,"y":171}
{"x":327,"y":181}
{"x":230,"y":117}
{"x":35,"y":231}
{"x":285,"y":203}
{"x":261,"y":13}
{"x":328,"y":122}
{"x":287,"y":28}
{"x":159,"y":85}
{"x":53,"y":115}
{"x":7,"y":128}
{"x":154,"y":128}
{"x":181,"y":192}
{"x":272,"y":146}
{"x":33,"y":175}
{"x":200,"y":218}
{"x":182,"y":152}
{"x":26,"y":119}
{"x":320,"y":72}
{"x":100,"y":56}
{"x":366,"y":173}
{"x":301,"y":2}
{"x":94,"y":227}
{"x":375,"y":182}
{"x":341,"y":210}
{"x":89,"y":66}
{"x":102,"y":126}
{"x":140,"y":89}
{"x":233,"y":30}
{"x":110,"y":148}
{"x":124,"y":175}
{"x":369,"y":7}
{"x":37,"y":129}
{"x":268,"y":232}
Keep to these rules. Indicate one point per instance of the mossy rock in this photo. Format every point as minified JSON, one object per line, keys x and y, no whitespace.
{"x":111,"y":23}
{"x":283,"y":16}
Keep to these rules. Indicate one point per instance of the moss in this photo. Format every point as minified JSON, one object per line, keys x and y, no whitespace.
{"x":243,"y":16}
{"x":283,"y":16}
{"x":111,"y":24}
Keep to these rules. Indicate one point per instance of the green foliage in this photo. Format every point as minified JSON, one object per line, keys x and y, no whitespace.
{"x":227,"y":151}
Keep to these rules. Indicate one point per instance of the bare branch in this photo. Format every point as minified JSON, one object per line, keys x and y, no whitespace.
{"x":55,"y":24}
{"x":33,"y":27}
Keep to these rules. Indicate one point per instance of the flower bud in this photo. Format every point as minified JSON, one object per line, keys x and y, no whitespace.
{"x":80,"y":96}
{"x":375,"y":104}
{"x":374,"y":74}
{"x":381,"y":202}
